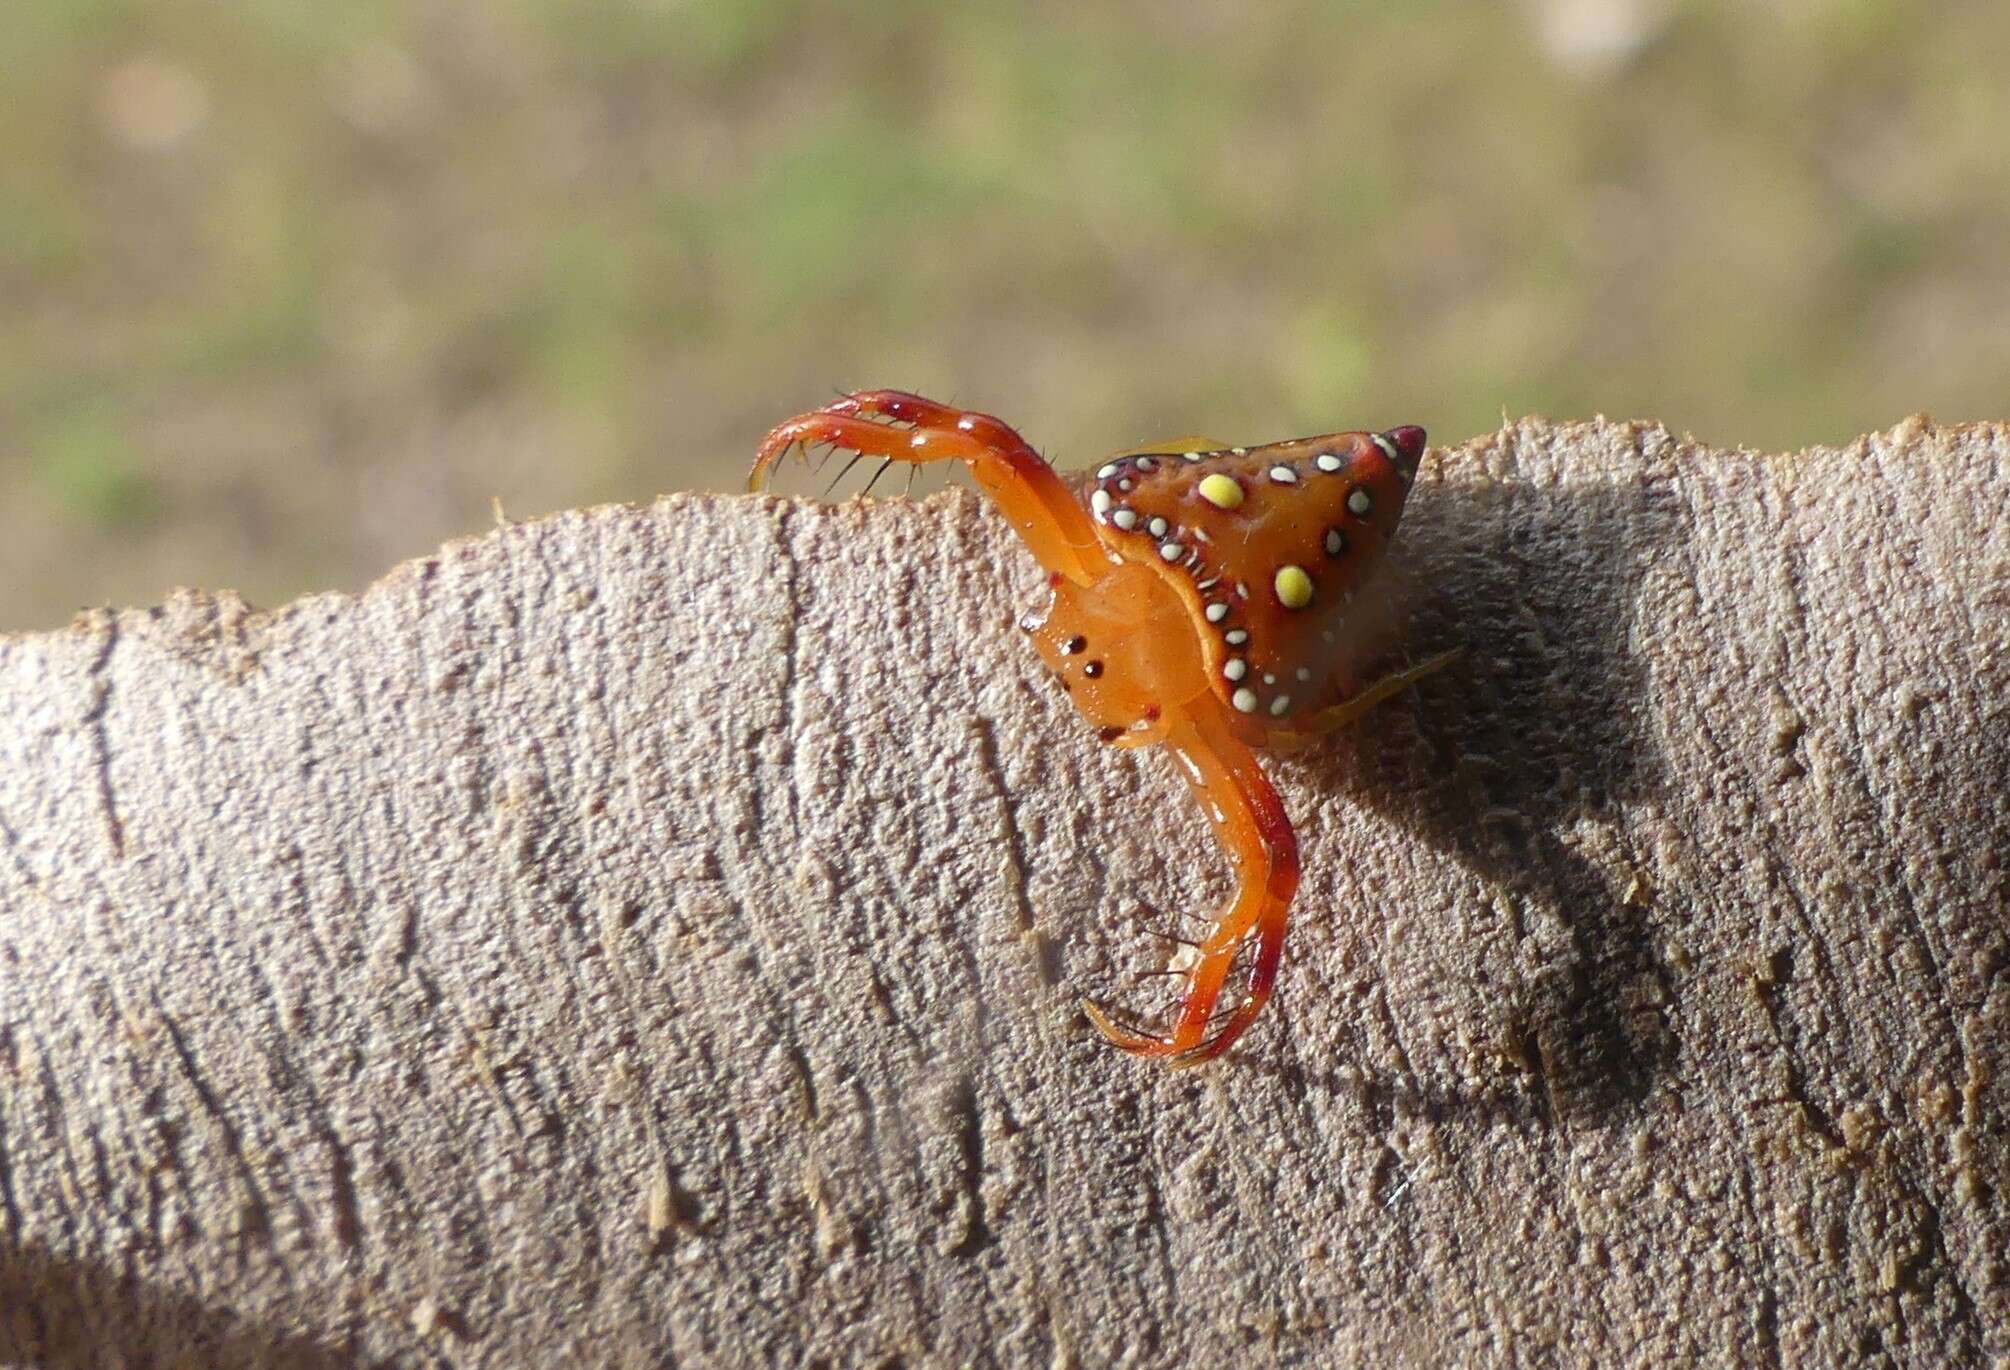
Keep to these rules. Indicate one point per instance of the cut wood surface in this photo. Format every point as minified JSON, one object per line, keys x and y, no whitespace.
{"x":655,"y":935}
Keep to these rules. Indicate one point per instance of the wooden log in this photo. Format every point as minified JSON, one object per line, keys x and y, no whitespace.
{"x":654,"y":935}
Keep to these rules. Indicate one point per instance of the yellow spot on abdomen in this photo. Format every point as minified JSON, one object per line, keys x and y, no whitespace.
{"x":1223,"y":492}
{"x":1294,"y":587}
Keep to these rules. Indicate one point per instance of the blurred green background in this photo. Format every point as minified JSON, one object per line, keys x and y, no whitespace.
{"x":291,"y":290}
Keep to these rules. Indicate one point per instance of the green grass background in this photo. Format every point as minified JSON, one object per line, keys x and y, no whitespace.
{"x":290,"y":290}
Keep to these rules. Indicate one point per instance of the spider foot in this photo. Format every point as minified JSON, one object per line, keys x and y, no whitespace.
{"x":1203,"y":1026}
{"x":1131,"y":1037}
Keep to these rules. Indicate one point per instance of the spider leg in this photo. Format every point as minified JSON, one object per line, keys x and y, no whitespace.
{"x":895,"y":426}
{"x":1250,"y":823}
{"x":1199,"y":1033}
{"x":1340,"y":715}
{"x":1186,"y":442}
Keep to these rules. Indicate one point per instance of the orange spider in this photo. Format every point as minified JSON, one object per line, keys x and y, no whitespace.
{"x":1198,"y":597}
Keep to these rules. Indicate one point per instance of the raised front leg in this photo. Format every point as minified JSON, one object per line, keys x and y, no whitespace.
{"x":897,"y":426}
{"x":1249,"y":821}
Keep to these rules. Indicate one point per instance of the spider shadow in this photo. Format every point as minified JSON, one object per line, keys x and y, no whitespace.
{"x":1537,"y":731}
{"x":72,"y":1311}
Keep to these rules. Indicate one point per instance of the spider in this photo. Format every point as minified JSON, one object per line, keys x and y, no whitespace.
{"x":1197,"y":596}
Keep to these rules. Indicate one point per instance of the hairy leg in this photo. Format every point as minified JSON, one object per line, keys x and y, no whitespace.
{"x":1249,"y":821}
{"x":896,"y":426}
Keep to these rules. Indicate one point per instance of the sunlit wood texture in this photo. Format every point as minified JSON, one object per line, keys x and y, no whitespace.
{"x":654,"y":932}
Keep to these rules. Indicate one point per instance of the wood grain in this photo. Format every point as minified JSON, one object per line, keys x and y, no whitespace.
{"x":655,"y":934}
